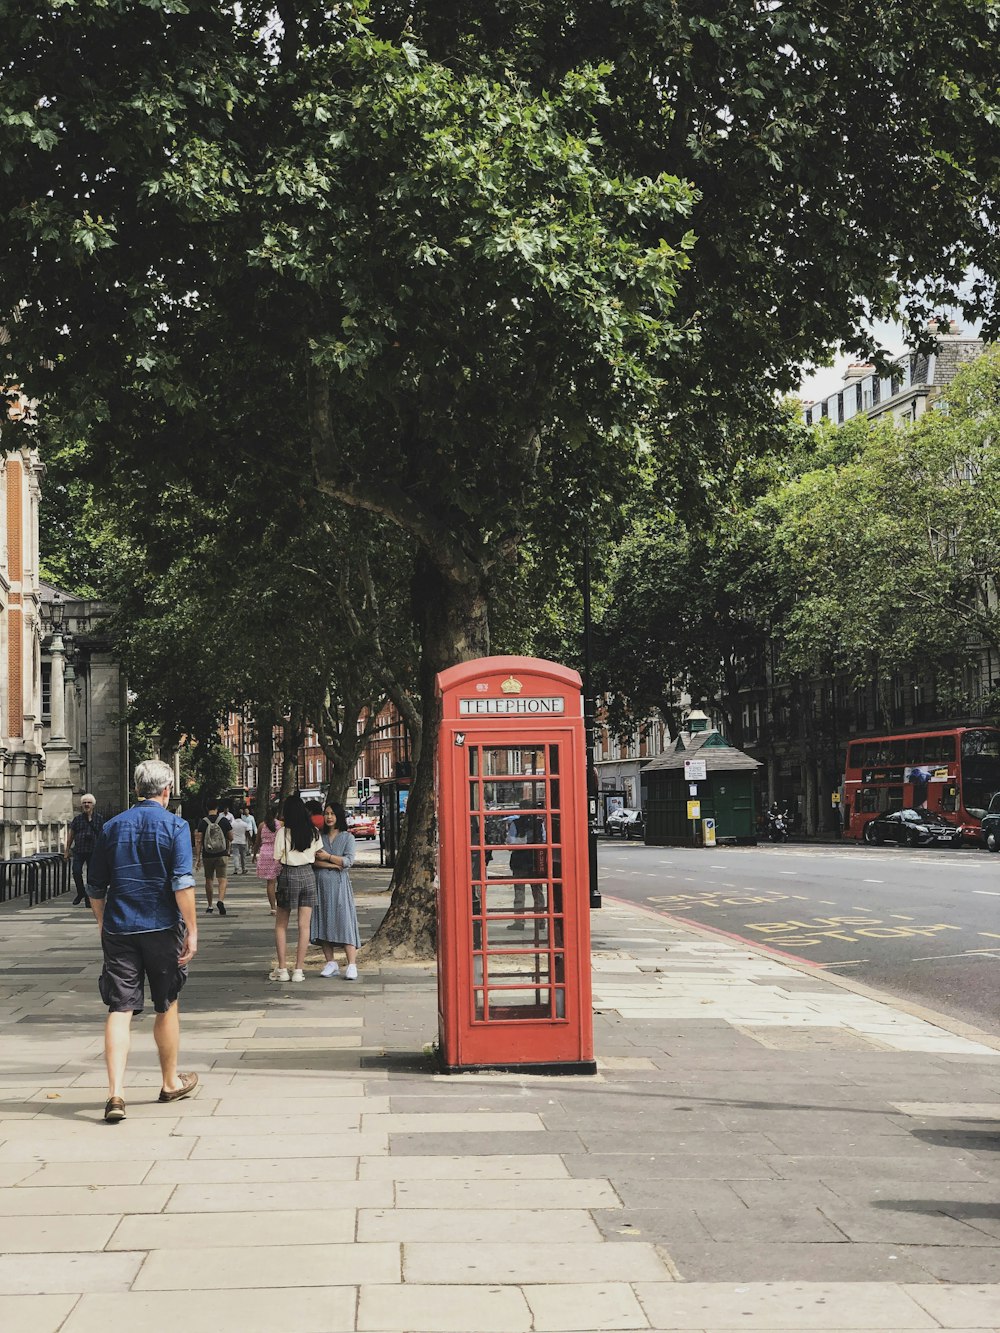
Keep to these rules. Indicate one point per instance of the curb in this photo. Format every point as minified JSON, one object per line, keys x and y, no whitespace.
{"x":944,"y":1021}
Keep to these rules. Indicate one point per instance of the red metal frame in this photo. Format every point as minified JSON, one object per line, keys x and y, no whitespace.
{"x":513,"y":904}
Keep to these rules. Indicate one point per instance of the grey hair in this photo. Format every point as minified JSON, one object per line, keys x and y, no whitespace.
{"x":151,"y":777}
{"x":88,"y":796}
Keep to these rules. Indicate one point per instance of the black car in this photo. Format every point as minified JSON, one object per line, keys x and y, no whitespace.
{"x":624,"y":824}
{"x":915,"y":828}
{"x":991,"y":824}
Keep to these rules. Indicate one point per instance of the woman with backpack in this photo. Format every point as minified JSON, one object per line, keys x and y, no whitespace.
{"x":295,"y":847}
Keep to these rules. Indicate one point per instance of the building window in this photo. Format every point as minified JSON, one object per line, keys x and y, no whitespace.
{"x":46,"y":689}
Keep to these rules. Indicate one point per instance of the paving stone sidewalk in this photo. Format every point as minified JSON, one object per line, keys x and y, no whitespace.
{"x":762,"y":1149}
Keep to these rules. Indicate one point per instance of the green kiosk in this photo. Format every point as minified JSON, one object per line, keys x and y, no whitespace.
{"x":701,"y":785}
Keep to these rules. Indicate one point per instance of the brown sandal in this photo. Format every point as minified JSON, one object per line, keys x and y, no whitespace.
{"x":114,"y":1110}
{"x":188,"y":1084}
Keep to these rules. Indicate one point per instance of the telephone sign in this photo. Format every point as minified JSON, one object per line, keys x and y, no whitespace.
{"x":695,"y":770}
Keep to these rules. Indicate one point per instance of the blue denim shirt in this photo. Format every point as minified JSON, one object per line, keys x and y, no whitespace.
{"x":141,"y":860}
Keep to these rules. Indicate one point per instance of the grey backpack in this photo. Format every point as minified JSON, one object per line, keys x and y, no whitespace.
{"x":213,"y":842}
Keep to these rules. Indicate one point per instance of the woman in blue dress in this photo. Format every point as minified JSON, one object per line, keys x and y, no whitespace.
{"x":335,"y":919}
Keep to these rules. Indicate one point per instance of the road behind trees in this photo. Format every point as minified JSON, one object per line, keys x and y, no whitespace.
{"x":923,"y":925}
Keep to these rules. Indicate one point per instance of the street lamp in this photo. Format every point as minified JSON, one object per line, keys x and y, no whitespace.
{"x":589,"y":726}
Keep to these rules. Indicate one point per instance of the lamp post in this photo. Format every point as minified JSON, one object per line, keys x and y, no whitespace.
{"x":589,"y":720}
{"x":57,"y":678}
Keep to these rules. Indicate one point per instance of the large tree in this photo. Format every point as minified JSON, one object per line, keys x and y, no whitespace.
{"x":450,"y":243}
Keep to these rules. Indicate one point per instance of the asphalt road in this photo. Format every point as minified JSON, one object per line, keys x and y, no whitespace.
{"x":923,"y":925}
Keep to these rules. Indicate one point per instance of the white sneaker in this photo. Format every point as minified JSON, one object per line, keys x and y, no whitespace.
{"x":330,"y":970}
{"x":278,"y":974}
{"x":298,"y":975}
{"x":352,"y":972}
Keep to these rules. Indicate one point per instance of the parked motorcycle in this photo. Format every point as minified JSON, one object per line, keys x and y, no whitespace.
{"x":777,"y":826}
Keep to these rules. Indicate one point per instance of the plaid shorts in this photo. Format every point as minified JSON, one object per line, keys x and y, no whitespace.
{"x":131,"y":960}
{"x":296,"y":888}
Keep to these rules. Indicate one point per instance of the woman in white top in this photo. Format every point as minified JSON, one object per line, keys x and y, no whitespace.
{"x":295,"y":847}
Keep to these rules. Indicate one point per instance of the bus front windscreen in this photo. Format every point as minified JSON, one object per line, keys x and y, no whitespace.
{"x":980,"y":769}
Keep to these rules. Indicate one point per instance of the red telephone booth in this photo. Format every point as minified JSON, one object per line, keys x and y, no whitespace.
{"x":513,"y":899}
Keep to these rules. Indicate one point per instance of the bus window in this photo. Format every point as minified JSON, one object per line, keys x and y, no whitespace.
{"x":980,"y":743}
{"x":940,"y":750}
{"x":914,"y":751}
{"x":856,"y":755}
{"x":949,"y":799}
{"x":894,"y":799}
{"x":867,"y":801}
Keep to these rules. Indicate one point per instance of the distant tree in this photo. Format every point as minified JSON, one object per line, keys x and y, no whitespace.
{"x":890,"y":547}
{"x":691,"y":600}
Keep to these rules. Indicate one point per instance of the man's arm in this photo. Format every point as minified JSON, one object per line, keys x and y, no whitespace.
{"x":186,"y":906}
{"x":183,"y":886}
{"x":197,"y":848}
{"x":69,"y":842}
{"x":98,"y":879}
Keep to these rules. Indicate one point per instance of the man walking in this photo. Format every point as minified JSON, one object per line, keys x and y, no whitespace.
{"x":238,"y":847}
{"x":212,"y":840}
{"x":142,"y":892}
{"x":80,"y":841}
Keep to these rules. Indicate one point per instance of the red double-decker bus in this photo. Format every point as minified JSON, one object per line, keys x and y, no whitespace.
{"x":952,"y":771}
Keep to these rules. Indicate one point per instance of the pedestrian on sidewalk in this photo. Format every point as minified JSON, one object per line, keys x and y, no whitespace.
{"x":523,"y":829}
{"x":141,"y":890}
{"x":267,"y":868}
{"x":295,"y":846}
{"x":80,"y":842}
{"x":335,"y":920}
{"x":238,"y":845}
{"x":212,"y":840}
{"x":251,"y":824}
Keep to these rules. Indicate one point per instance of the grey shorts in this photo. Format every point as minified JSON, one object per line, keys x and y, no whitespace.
{"x":131,"y":960}
{"x":216,"y":867}
{"x":296,"y":888}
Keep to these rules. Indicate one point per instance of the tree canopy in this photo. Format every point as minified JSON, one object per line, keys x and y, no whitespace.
{"x":474,"y":268}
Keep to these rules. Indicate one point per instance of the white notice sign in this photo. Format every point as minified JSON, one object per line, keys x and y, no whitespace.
{"x":695,"y":770}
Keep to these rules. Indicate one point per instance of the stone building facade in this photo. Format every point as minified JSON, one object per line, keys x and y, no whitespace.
{"x":62,"y":729}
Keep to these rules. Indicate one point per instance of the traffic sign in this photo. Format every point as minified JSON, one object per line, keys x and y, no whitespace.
{"x":694,"y":810}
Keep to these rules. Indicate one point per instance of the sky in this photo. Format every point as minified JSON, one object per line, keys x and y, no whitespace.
{"x":830,"y":379}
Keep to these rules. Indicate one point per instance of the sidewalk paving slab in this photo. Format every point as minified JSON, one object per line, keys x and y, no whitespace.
{"x":754,"y":1152}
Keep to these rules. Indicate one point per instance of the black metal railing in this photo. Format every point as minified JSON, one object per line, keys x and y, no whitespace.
{"x":38,"y":877}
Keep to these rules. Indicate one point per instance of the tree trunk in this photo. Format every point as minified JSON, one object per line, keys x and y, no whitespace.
{"x":453,"y":622}
{"x":291,"y":739}
{"x":342,"y":742}
{"x":264,"y":723}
